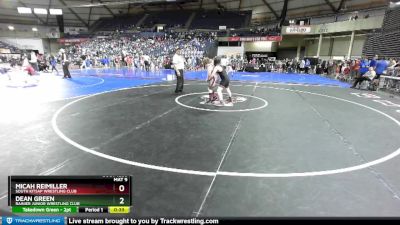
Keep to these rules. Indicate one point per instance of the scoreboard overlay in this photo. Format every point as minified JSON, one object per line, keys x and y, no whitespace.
{"x":70,"y":194}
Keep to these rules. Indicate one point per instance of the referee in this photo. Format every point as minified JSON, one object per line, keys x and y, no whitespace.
{"x":65,"y":64}
{"x":179,"y":64}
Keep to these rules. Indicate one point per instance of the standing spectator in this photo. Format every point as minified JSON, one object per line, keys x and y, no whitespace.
{"x":83,"y":62}
{"x":391,"y":66}
{"x":302,"y":65}
{"x":324,"y":67}
{"x":34,"y":61}
{"x":355,"y":69}
{"x":373,"y":61}
{"x":307,"y":65}
{"x":331,"y":68}
{"x":364,"y":66}
{"x":381,"y":66}
{"x":53,"y":63}
{"x":28,"y":66}
{"x":116,"y":61}
{"x":146,"y":60}
{"x":88,"y":62}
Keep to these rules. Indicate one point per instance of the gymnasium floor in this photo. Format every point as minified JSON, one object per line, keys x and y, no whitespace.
{"x":298,"y":145}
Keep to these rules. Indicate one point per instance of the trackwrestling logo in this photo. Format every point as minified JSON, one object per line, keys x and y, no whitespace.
{"x":34,"y":220}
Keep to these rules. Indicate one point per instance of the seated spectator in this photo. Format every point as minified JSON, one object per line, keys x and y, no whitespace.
{"x":345,"y":72}
{"x":370,"y":75}
{"x":391,"y":67}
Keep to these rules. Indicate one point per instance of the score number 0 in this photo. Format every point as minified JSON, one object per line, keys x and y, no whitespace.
{"x":121,"y":188}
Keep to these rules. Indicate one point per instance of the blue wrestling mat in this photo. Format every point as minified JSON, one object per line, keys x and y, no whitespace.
{"x":48,"y":87}
{"x":271,"y":77}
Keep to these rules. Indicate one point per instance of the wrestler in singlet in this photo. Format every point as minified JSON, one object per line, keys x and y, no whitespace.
{"x":223,"y":77}
{"x":224,"y":80}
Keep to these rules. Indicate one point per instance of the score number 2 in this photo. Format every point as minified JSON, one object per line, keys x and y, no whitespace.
{"x":121,"y":188}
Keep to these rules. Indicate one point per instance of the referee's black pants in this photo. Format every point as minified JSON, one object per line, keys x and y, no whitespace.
{"x":66,"y":70}
{"x":179,"y":81}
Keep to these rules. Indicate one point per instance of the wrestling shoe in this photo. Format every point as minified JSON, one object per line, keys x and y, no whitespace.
{"x":210,"y":98}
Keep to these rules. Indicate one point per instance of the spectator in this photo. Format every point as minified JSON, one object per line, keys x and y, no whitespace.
{"x":364,"y":66}
{"x":355,"y":69}
{"x":367,"y":76}
{"x":34,"y":61}
{"x":53,"y":63}
{"x":373,"y":61}
{"x":307,"y":65}
{"x":381,"y":67}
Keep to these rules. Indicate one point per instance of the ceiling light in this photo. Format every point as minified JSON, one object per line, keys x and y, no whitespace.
{"x":56,"y":11}
{"x":24,"y":10}
{"x":34,"y":29}
{"x":10,"y":27}
{"x":40,"y":11}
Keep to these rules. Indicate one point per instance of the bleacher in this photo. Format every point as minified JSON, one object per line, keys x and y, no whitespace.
{"x":170,"y":18}
{"x":338,"y":17}
{"x":214,"y":19}
{"x":392,"y":20}
{"x":385,"y":42}
{"x":12,"y":48}
{"x":202,"y":20}
{"x":118,"y":23}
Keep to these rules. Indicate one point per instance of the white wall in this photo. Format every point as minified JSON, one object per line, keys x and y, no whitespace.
{"x":344,"y":26}
{"x":25,"y":31}
{"x":312,"y":47}
{"x":260,"y":46}
{"x":51,"y":46}
{"x":358,"y":46}
{"x":25,"y":43}
{"x":340,"y":46}
{"x":230,"y":50}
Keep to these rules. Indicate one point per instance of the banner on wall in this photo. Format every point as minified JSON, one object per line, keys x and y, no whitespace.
{"x":53,"y":32}
{"x":259,"y":55}
{"x":75,"y":30}
{"x":5,"y":50}
{"x":266,"y":38}
{"x":298,"y":29}
{"x":53,"y":35}
{"x":72,"y":40}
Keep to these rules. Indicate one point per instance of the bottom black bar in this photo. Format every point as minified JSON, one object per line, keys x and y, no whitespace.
{"x":222,"y":221}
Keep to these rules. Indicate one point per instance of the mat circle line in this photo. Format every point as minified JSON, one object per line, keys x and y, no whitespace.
{"x":226,"y":173}
{"x":220,"y":110}
{"x":89,"y":85}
